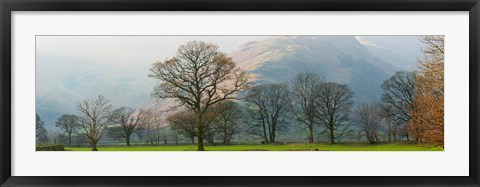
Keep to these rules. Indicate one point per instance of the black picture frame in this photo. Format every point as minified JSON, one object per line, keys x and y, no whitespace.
{"x":7,"y":6}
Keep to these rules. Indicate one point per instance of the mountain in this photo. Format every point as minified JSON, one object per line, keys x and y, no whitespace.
{"x":342,"y":59}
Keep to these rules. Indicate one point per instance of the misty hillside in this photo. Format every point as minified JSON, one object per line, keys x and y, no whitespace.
{"x":361,"y":62}
{"x":62,"y":83}
{"x":341,"y":59}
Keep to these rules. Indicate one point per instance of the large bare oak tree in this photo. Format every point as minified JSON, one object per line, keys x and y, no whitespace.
{"x":198,"y":76}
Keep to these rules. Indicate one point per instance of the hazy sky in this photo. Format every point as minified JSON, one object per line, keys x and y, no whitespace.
{"x":141,"y":50}
{"x":118,"y":50}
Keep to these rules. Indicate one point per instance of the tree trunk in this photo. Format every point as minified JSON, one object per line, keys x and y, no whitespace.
{"x":199,"y":123}
{"x":310,"y":134}
{"x":368,"y":137}
{"x":225,"y":135}
{"x":273,"y":132}
{"x":127,"y":139}
{"x":332,"y":138}
{"x":70,"y":140}
{"x":94,"y":146}
{"x":225,"y":139}
{"x":200,"y":144}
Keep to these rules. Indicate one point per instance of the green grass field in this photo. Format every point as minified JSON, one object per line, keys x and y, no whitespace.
{"x":284,"y":147}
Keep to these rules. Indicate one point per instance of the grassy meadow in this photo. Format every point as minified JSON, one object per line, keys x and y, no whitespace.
{"x":269,"y":147}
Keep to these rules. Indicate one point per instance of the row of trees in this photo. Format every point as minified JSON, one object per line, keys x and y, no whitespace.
{"x":267,"y":109}
{"x":199,"y":77}
{"x":96,"y":117}
{"x":309,"y":99}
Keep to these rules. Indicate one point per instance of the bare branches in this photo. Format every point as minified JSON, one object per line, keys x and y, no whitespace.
{"x":228,"y":115}
{"x":334,"y":101}
{"x":69,"y":123}
{"x":303,"y":93}
{"x":398,"y":96}
{"x":434,"y":45}
{"x":184,"y":125}
{"x":367,"y":115}
{"x":127,"y":119}
{"x":95,"y":118}
{"x":269,"y":105}
{"x":198,"y":77}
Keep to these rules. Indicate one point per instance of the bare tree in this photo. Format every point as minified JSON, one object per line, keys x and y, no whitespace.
{"x":41,"y":133}
{"x":367,"y":115}
{"x":70,"y":124}
{"x":398,"y":98}
{"x":150,"y":122}
{"x":398,"y":95}
{"x":393,"y":128}
{"x":198,"y":77}
{"x":335,"y":102}
{"x":269,"y":106}
{"x":128,"y":121}
{"x":435,"y":49}
{"x":303,"y":92}
{"x":212,"y":127}
{"x":80,"y":139}
{"x":95,"y":118}
{"x":183,"y":123}
{"x":175,"y":134}
{"x":115,"y":133}
{"x":229,"y":114}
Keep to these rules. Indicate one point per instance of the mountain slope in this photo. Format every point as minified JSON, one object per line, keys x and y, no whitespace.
{"x":342,"y":59}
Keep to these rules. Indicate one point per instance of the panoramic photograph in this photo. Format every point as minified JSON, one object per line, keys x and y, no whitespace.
{"x":239,"y":93}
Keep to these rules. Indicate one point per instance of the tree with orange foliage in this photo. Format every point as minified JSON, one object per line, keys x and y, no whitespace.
{"x":427,"y":124}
